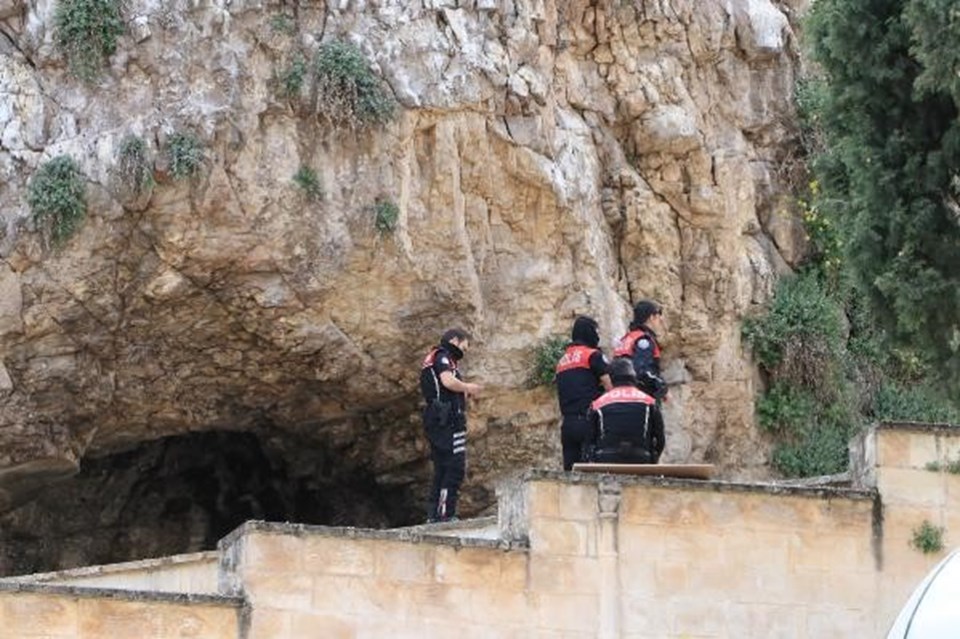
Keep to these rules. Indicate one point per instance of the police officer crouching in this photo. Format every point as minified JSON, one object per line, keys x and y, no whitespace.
{"x":627,"y":424}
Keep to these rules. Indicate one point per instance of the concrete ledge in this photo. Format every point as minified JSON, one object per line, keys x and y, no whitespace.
{"x":477,"y":528}
{"x":121,"y":567}
{"x":699,"y":485}
{"x":921,"y":427}
{"x":460,"y":524}
{"x":124,"y":595}
{"x":412,"y":535}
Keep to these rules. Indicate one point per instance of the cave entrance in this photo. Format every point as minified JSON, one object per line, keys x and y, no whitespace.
{"x":183,"y":493}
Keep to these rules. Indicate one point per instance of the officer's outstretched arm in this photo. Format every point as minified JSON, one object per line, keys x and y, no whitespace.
{"x":451,"y":383}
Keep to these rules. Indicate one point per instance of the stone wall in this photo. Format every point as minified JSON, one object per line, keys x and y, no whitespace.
{"x":913,"y":493}
{"x":613,"y":557}
{"x":193,"y":574}
{"x":603,"y":556}
{"x":57,"y":612}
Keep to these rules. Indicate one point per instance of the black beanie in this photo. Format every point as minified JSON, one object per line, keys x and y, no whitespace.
{"x":622,"y":372}
{"x":642,"y":312}
{"x":585,"y":331}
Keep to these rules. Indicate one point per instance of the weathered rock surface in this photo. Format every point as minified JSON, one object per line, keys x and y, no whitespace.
{"x":550,"y":158}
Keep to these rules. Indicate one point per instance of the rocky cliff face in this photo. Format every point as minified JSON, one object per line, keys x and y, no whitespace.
{"x":548,"y":158}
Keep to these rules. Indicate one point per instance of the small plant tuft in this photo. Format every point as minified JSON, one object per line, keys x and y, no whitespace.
{"x":952,"y":466}
{"x":306,"y":178}
{"x":545,"y":357}
{"x":291,"y":79}
{"x":927,"y":538}
{"x":134,"y":168}
{"x":86,"y":32}
{"x":385,"y":216}
{"x":348,"y":92}
{"x":56,"y":197}
{"x":282,"y":23}
{"x":185,"y":155}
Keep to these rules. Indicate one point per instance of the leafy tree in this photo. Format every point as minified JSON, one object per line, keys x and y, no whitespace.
{"x":889,"y":171}
{"x":869,"y":328}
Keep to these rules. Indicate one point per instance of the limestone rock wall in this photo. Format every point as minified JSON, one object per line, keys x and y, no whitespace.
{"x":549,"y":158}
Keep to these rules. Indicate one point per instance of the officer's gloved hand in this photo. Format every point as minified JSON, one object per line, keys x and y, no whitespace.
{"x":653,"y":385}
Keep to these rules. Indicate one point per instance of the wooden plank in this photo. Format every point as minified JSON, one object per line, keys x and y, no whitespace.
{"x":684,"y":471}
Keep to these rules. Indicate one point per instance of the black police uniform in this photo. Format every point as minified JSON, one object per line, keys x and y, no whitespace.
{"x":446,"y":427}
{"x":640,"y":345}
{"x":578,"y":383}
{"x":627,"y":426}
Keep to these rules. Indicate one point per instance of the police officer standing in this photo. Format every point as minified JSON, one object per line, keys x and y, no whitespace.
{"x":581,"y":377}
{"x":640,"y":346}
{"x":444,"y":420}
{"x":626,"y":422}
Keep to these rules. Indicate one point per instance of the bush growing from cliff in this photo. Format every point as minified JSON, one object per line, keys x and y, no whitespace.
{"x":283,"y":23}
{"x":800,"y":334}
{"x":546,"y":354}
{"x":308,"y":181}
{"x":56,"y":199}
{"x":348,"y":92}
{"x":810,"y":406}
{"x":292,"y":77}
{"x":86,"y":33}
{"x":184,"y":155}
{"x":133,"y":166}
{"x":385,"y":215}
{"x":829,"y":371}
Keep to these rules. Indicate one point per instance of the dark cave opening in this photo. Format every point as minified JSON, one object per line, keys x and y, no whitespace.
{"x":183,"y":493}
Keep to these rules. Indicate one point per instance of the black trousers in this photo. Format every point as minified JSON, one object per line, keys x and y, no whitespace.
{"x":624,"y":453}
{"x":447,"y":432}
{"x":575,"y":437}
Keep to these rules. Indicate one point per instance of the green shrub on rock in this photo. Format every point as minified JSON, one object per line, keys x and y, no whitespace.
{"x":385,"y":216}
{"x":348,"y":92}
{"x":133,"y":167}
{"x":185,"y":155}
{"x":86,"y":32}
{"x":546,"y":354}
{"x":308,"y":181}
{"x":56,"y":197}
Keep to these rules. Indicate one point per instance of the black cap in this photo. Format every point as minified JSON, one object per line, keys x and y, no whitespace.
{"x":642,"y":312}
{"x":585,"y":331}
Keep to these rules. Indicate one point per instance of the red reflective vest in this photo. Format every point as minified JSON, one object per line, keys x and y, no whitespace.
{"x":629,"y":341}
{"x":576,"y":356}
{"x":622,"y":395}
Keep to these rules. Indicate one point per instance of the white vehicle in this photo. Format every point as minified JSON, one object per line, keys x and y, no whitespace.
{"x":933,"y":610}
